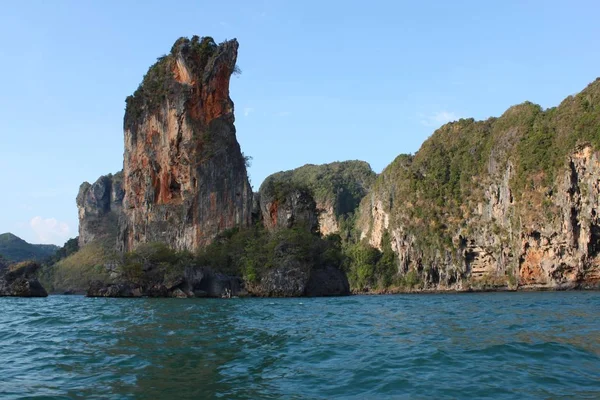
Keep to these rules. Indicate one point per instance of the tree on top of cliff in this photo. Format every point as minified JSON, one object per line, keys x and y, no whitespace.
{"x":159,"y":83}
{"x":341,"y":184}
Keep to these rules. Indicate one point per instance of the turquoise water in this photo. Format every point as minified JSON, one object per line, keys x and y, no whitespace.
{"x":487,"y":345}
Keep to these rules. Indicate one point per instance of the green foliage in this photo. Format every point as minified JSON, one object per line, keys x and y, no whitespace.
{"x":361,"y":262}
{"x":371,"y":269}
{"x":198,"y":52}
{"x":71,"y":246}
{"x":256,"y":256}
{"x":24,"y":267}
{"x":152,"y":262}
{"x":387,"y":265}
{"x":410,"y":280}
{"x":512,"y":278}
{"x":158,"y":83}
{"x":433,"y":193}
{"x":16,"y":249}
{"x":251,"y":252}
{"x":347,"y":227}
{"x":247,"y":160}
{"x":76,"y":271}
{"x":231,"y":250}
{"x":151,"y":93}
{"x":341,"y":184}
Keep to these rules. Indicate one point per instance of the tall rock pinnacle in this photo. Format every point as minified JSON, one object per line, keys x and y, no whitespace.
{"x":185,"y":176}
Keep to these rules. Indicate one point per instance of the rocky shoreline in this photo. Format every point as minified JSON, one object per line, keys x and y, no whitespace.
{"x":321,"y":282}
{"x":504,"y":289}
{"x":124,"y":290}
{"x":20,"y":280}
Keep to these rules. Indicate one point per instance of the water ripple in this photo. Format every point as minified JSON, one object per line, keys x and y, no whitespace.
{"x":489,"y":345}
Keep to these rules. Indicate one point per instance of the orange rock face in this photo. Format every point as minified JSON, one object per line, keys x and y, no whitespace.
{"x":531,"y":269}
{"x":185,"y":177}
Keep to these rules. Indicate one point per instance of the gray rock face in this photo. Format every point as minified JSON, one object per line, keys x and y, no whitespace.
{"x":293,"y":276}
{"x":296,"y":279}
{"x":294,"y":207}
{"x":194,"y":282}
{"x":285,"y":281}
{"x":100,"y":207}
{"x":220,"y":285}
{"x":19,"y":280}
{"x":327,"y":281}
{"x":101,"y":289}
{"x":565,"y":253}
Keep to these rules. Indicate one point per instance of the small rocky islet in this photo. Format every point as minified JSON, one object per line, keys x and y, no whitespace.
{"x":508,"y":203}
{"x":19,"y":280}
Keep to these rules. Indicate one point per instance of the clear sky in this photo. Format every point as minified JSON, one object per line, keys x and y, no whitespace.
{"x":321,"y":81}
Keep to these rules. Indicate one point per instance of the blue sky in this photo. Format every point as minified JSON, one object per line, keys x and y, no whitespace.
{"x":322,"y":81}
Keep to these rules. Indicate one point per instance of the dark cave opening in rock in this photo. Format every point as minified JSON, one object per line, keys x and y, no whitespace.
{"x":575,"y":226}
{"x":594,"y":243}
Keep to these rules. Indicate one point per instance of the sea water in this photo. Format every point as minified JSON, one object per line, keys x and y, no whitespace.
{"x":480,"y":345}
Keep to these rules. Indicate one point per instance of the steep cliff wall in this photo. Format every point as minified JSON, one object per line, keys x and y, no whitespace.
{"x":99,"y":207}
{"x":185,"y":177}
{"x":508,"y":202}
{"x":319,"y":197}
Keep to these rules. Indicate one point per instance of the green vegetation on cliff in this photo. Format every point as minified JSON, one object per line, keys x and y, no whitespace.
{"x":154,"y":262}
{"x":252,"y":252}
{"x":448,"y":167}
{"x":370,"y":269}
{"x":159,"y":83}
{"x":339,"y":184}
{"x":71,"y":246}
{"x":433,"y":195}
{"x":248,"y":253}
{"x":74,"y":272}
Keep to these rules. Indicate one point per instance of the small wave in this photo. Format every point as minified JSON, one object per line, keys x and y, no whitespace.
{"x":359,"y":347}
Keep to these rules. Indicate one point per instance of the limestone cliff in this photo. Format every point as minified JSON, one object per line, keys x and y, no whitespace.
{"x":185,"y":177}
{"x":507,"y":202}
{"x":99,"y":207}
{"x":184,"y":174}
{"x":318,"y":197}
